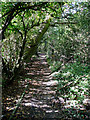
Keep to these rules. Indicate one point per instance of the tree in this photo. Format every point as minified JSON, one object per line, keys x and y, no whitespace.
{"x":24,"y":24}
{"x":16,"y":28}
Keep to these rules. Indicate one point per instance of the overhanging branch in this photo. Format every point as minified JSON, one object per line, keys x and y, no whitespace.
{"x":13,"y":12}
{"x":33,"y":7}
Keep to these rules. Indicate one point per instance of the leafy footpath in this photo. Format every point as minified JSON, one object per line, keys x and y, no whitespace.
{"x":68,"y":99}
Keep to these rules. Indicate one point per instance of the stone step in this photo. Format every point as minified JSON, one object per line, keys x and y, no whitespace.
{"x":42,"y":88}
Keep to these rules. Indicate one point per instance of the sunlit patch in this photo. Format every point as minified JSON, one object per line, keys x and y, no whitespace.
{"x":52,"y":83}
{"x":44,"y":106}
{"x":30,"y":73}
{"x":46,"y":73}
{"x":49,"y":111}
{"x":30,"y":104}
{"x":45,"y":63}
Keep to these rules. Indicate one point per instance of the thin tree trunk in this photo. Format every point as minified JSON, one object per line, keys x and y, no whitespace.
{"x":33,"y":47}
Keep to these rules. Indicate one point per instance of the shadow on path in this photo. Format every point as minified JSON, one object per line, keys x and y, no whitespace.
{"x":38,"y":102}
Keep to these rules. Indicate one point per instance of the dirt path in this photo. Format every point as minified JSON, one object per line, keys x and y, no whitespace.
{"x":40,"y":99}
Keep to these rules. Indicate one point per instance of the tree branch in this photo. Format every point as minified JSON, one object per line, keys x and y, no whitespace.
{"x":19,"y":32}
{"x":23,"y":21}
{"x":32,"y":50}
{"x":12,"y":15}
{"x":23,"y":8}
{"x":13,"y":9}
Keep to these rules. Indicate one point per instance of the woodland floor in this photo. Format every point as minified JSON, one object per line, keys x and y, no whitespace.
{"x":40,"y":101}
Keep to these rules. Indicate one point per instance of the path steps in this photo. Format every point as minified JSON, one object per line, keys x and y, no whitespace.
{"x":39,"y":100}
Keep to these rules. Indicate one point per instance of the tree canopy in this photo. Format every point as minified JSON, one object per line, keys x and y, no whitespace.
{"x":25,"y":23}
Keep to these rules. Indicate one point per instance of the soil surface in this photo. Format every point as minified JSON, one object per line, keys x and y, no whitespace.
{"x":40,"y":101}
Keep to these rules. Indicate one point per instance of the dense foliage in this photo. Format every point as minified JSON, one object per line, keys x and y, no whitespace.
{"x":21,"y":36}
{"x":58,"y":29}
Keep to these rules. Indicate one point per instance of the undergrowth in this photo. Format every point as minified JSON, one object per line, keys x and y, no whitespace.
{"x":73,"y":84}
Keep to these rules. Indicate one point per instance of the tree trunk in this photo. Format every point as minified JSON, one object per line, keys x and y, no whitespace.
{"x":33,"y":47}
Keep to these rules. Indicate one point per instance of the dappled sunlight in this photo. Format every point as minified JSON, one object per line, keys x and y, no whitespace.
{"x":40,"y":91}
{"x":74,"y":104}
{"x":40,"y":95}
{"x":51,"y":83}
{"x":45,"y":60}
{"x":45,"y":63}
